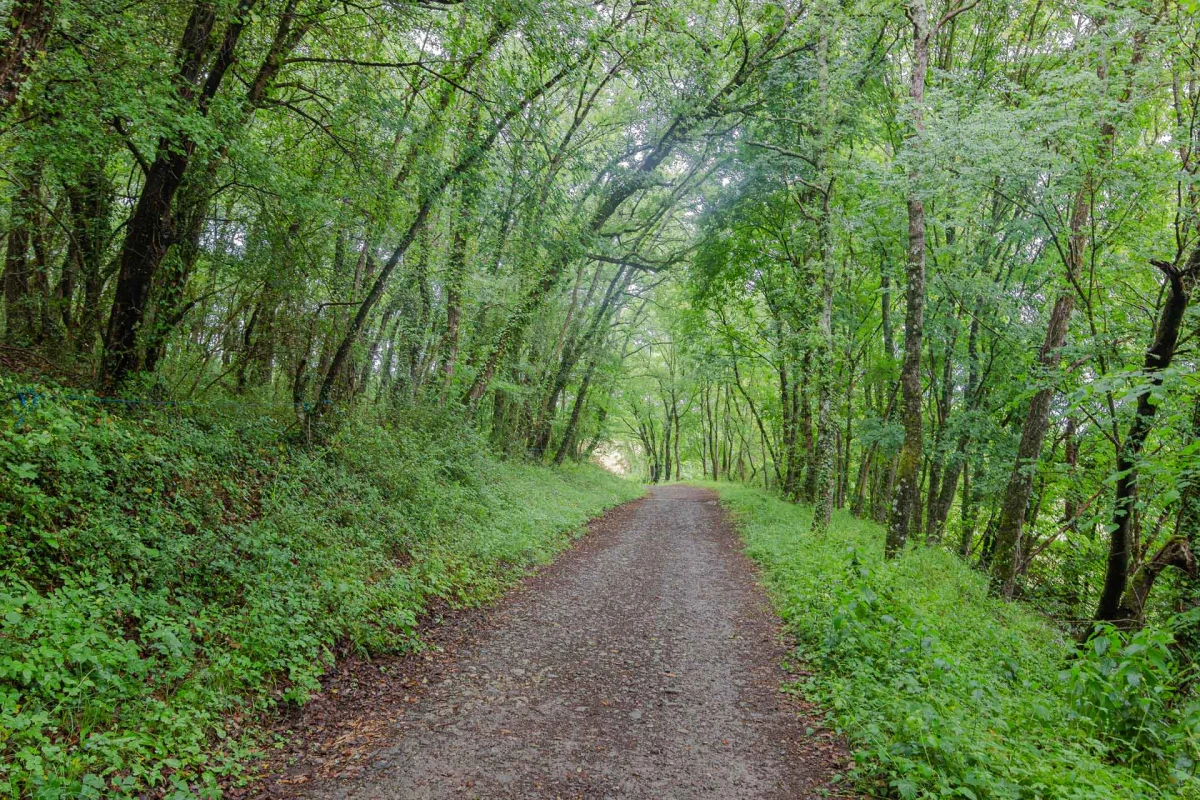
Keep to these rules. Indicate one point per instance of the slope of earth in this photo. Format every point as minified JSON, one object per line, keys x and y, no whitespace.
{"x":645,"y":663}
{"x":173,"y":576}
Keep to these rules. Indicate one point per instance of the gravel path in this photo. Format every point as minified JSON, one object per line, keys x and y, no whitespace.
{"x":645,"y":664}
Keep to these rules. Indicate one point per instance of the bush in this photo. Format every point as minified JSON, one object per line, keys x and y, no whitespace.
{"x":948,"y":692}
{"x":169,"y":576}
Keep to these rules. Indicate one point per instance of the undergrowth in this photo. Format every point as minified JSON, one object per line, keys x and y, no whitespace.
{"x":945,"y":691}
{"x":168,"y":575}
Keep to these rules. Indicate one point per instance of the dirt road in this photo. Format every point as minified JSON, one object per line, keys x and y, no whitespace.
{"x":644,"y":664}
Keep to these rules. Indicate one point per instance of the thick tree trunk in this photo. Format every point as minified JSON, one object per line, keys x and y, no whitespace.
{"x":148,"y":235}
{"x":1007,"y":555}
{"x":824,"y":452}
{"x":907,"y":498}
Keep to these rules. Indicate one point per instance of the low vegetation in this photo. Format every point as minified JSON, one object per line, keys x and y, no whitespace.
{"x":929,"y":264}
{"x":946,"y":691}
{"x":168,"y":576}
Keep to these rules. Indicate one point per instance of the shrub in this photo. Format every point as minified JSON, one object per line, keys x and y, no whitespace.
{"x":168,"y":576}
{"x":947,"y":692}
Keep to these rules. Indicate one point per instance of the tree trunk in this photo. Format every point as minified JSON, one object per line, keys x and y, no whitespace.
{"x":678,"y":464}
{"x":940,"y":512}
{"x":806,"y":430}
{"x":967,"y":533}
{"x":151,"y":229}
{"x":570,"y":355}
{"x":1006,"y":555}
{"x":788,"y":419}
{"x":568,"y":438}
{"x":19,"y":301}
{"x":1114,"y":605}
{"x":907,"y":498}
{"x":1071,"y":459}
{"x":941,"y":467}
{"x":29,"y":24}
{"x":824,"y":461}
{"x":456,"y":268}
{"x":90,"y":202}
{"x":1175,"y":553}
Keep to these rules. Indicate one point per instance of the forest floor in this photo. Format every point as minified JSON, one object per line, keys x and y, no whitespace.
{"x":644,"y":663}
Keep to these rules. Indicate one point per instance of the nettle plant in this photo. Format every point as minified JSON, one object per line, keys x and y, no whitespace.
{"x":1131,"y":694}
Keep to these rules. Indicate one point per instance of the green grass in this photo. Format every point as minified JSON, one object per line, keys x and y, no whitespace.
{"x":167,"y":578}
{"x":944,"y":691}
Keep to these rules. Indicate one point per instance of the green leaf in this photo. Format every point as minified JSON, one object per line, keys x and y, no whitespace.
{"x":24,"y":470}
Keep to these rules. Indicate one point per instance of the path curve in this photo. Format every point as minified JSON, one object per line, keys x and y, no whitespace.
{"x":644,"y":665}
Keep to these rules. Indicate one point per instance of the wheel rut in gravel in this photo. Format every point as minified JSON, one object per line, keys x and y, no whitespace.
{"x":644,"y":664}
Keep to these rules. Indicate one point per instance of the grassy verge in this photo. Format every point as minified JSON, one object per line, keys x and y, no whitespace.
{"x":165,"y":578}
{"x":947,"y":692}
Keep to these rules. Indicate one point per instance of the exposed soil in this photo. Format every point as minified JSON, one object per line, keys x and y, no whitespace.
{"x":645,"y":663}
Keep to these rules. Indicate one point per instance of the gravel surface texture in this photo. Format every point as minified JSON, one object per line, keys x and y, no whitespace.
{"x":645,"y":663}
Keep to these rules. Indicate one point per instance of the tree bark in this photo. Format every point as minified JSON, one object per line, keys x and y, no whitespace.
{"x":151,"y":229}
{"x":19,"y":302}
{"x":1175,"y":553}
{"x":568,"y":439}
{"x":90,"y":202}
{"x":907,"y":498}
{"x":823,"y":488}
{"x":29,"y":24}
{"x":1114,"y":604}
{"x":1006,"y":555}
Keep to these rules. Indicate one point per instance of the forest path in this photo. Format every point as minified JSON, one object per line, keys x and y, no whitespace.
{"x":645,"y":663}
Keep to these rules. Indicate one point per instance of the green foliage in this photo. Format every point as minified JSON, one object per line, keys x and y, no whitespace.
{"x":1125,"y":693}
{"x":167,"y":577}
{"x":947,"y":692}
